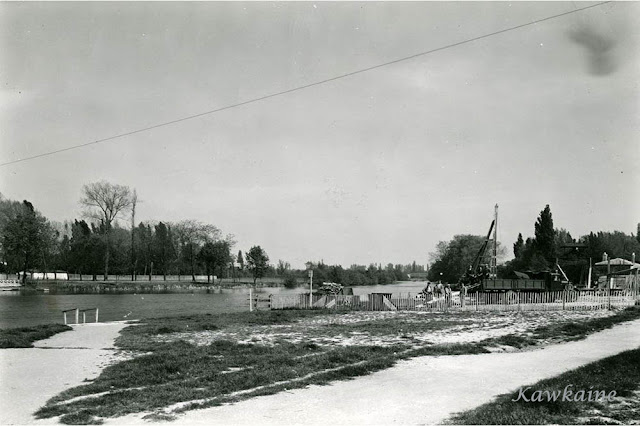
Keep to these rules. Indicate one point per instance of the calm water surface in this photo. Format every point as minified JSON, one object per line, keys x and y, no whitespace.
{"x":19,"y":310}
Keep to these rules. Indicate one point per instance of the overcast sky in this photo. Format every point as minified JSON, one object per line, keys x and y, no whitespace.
{"x":376,"y":167}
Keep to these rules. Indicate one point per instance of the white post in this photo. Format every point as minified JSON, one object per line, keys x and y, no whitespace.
{"x":97,"y":310}
{"x":77,"y":315}
{"x":65,"y":317}
{"x":250,"y":300}
{"x":633,"y":263}
{"x":311,"y":289}
{"x":84,"y":317}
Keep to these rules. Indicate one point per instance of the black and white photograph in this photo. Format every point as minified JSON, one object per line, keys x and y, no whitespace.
{"x":319,"y":212}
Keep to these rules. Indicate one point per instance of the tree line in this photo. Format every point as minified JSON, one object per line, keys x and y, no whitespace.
{"x":108,"y":240}
{"x":539,"y":253}
{"x":355,"y":275}
{"x":100,"y":245}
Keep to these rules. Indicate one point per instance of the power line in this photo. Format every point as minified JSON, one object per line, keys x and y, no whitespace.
{"x":306,"y":86}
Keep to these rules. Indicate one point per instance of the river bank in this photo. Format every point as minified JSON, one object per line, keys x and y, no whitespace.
{"x":193,"y":362}
{"x":141,"y":286}
{"x":424,"y":390}
{"x":421,"y":390}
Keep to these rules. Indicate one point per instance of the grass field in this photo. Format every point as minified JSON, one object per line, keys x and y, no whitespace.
{"x":620,"y":373}
{"x":25,"y":336}
{"x":206,"y":360}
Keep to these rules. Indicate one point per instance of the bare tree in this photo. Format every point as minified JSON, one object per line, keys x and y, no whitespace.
{"x":105,"y":201}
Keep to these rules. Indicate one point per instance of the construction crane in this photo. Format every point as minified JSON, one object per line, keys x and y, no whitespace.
{"x":477,"y":271}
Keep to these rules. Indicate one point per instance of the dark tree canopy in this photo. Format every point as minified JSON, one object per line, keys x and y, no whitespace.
{"x":216,"y":256}
{"x":257,"y":262}
{"x":26,"y":238}
{"x":545,"y":237}
{"x":453,"y":258}
{"x":518,"y":246}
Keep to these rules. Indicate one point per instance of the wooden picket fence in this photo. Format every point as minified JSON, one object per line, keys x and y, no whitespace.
{"x":510,"y":301}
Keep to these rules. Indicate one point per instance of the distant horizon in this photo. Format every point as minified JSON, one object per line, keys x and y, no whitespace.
{"x":378,"y":166}
{"x":123,"y":223}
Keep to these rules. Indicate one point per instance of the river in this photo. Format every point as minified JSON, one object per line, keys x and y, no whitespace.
{"x":21,"y":310}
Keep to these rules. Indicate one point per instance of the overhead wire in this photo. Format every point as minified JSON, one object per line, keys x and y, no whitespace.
{"x":298,"y":88}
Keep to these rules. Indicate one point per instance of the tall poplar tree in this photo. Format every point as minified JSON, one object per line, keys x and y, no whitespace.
{"x":545,"y":236}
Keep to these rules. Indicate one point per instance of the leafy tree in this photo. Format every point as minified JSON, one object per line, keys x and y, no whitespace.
{"x":453,"y":258}
{"x":25,"y":237}
{"x":282,"y":267}
{"x":144,"y":238}
{"x":163,"y":247}
{"x":119,"y":248}
{"x":215,"y":255}
{"x":290,"y":280}
{"x":562,"y":237}
{"x":105,"y":201}
{"x":240,"y":259}
{"x":545,"y":238}
{"x":64,"y":254}
{"x":79,"y":248}
{"x":615,"y":244}
{"x":518,"y":247}
{"x":257,"y":262}
{"x":192,"y":235}
{"x":336,"y":274}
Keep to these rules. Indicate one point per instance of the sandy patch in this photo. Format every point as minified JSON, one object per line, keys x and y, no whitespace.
{"x":318,"y":330}
{"x":31,"y":376}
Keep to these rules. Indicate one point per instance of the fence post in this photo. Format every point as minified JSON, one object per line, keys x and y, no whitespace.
{"x":77,"y":315}
{"x":564,"y":296}
{"x":65,"y":317}
{"x":84,"y":317}
{"x":250,"y":300}
{"x":97,"y":310}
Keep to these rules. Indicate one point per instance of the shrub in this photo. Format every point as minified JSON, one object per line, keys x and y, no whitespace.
{"x":290,"y":281}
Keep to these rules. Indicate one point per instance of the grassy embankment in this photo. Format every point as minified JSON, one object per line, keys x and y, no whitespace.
{"x":173,"y":374}
{"x":25,"y":336}
{"x":619,"y":373}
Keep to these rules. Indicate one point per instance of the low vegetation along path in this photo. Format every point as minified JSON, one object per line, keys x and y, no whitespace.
{"x":30,"y":376}
{"x":424,"y":390}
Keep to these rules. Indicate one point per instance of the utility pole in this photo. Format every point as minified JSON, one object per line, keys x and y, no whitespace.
{"x":134,"y":201}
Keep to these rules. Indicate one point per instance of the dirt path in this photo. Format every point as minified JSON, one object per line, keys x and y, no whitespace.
{"x":424,"y":390}
{"x":31,"y":376}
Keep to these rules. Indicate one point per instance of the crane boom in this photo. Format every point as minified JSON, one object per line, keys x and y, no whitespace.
{"x":483,"y":249}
